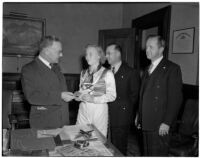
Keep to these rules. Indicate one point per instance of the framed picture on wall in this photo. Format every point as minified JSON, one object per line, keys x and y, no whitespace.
{"x":183,"y":41}
{"x":22,"y":35}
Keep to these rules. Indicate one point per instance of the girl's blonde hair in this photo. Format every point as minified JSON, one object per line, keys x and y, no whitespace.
{"x":99,"y":50}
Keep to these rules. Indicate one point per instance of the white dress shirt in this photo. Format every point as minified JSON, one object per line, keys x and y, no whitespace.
{"x":154,"y":64}
{"x":44,"y":61}
{"x":116,"y":67}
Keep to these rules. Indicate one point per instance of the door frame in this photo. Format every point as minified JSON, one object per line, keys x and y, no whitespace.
{"x":117,"y":32}
{"x":161,"y":17}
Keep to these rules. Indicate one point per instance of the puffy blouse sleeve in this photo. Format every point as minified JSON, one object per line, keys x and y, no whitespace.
{"x":110,"y":94}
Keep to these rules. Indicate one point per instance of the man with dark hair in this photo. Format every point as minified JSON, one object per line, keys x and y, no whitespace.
{"x":160,"y":98}
{"x":45,"y":87}
{"x":127,"y":86}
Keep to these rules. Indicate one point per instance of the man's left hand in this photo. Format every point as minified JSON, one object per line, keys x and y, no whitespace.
{"x":164,"y":129}
{"x":67,"y":96}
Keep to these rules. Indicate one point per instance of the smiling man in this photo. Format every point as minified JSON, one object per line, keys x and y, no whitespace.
{"x":160,"y":98}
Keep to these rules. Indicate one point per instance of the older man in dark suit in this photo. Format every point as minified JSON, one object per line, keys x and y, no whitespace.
{"x":127,"y":86}
{"x":45,"y":87}
{"x":160,"y":98}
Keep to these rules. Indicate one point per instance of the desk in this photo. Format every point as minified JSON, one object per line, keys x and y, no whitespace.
{"x":107,"y":143}
{"x":99,"y":135}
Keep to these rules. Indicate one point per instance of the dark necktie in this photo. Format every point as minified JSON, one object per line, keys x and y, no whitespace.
{"x":56,"y":69}
{"x":113,"y":70}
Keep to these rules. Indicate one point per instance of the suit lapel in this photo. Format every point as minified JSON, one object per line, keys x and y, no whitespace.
{"x":143,"y":81}
{"x":45,"y":71}
{"x":42,"y":66}
{"x":159,"y":67}
{"x":120,"y":71}
{"x":154,"y":75}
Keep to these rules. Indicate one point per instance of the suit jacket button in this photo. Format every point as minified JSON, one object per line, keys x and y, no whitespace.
{"x":156,"y":98}
{"x":158,"y":86}
{"x":124,"y":108}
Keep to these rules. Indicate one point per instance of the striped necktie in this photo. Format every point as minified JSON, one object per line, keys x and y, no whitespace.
{"x":113,"y":70}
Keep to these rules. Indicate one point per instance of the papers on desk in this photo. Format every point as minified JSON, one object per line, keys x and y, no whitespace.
{"x":95,"y":148}
{"x":67,"y":132}
{"x":48,"y":133}
{"x":72,"y":132}
{"x":30,"y":140}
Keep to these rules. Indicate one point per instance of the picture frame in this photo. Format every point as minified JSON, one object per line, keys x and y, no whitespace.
{"x":183,"y":41}
{"x":22,"y":35}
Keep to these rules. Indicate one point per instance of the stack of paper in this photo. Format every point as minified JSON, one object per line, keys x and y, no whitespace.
{"x":48,"y":133}
{"x":95,"y":148}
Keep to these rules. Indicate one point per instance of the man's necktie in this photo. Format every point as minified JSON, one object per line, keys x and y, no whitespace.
{"x":113,"y":70}
{"x":56,"y":69}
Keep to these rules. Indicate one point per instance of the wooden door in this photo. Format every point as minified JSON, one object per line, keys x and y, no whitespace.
{"x":125,"y":38}
{"x":157,"y":23}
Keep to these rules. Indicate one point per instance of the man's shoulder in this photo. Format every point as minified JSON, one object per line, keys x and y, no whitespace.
{"x":30,"y":66}
{"x":171,"y":64}
{"x":127,"y":68}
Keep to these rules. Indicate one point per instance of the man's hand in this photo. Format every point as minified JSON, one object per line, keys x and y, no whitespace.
{"x":67,"y":96}
{"x":87,"y":98}
{"x":164,"y":129}
{"x":77,"y":95}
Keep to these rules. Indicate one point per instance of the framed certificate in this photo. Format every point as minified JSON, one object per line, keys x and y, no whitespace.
{"x":183,"y":41}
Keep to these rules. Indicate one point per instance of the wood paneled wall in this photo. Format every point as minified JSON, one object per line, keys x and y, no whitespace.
{"x":12,"y":81}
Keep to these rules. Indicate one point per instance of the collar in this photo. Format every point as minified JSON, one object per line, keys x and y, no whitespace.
{"x":44,"y":61}
{"x":117,"y":66}
{"x":157,"y":61}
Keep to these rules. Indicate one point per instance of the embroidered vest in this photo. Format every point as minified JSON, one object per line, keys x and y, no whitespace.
{"x":97,"y":87}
